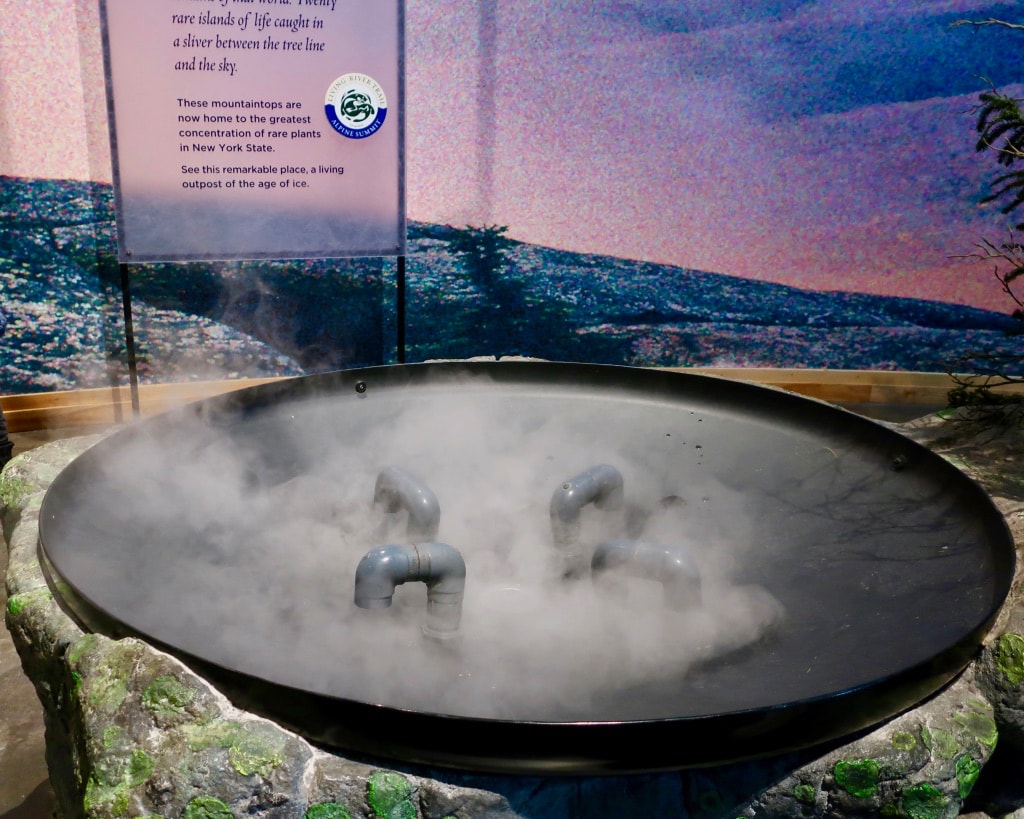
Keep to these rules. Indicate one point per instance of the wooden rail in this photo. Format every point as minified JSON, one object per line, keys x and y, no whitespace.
{"x":852,"y":386}
{"x":105,"y":406}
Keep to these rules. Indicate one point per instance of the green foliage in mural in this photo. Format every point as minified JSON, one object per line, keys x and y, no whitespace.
{"x":1001,"y":131}
{"x":1000,"y":128}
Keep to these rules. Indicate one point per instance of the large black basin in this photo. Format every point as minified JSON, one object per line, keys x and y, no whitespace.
{"x":847,"y":572}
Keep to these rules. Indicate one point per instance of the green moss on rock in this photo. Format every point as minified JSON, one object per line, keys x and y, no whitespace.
{"x":967,"y":771}
{"x":940,"y":742}
{"x":858,"y":777}
{"x":256,"y":749}
{"x":140,"y":766}
{"x":106,"y":674}
{"x":112,"y":735}
{"x":19,"y":602}
{"x":1010,"y":657}
{"x":82,"y":646}
{"x":113,"y":778}
{"x":167,"y":696}
{"x":13,"y":491}
{"x":924,"y":801}
{"x":327,"y":810}
{"x":96,"y":794}
{"x":981,"y":727}
{"x":206,"y":807}
{"x":217,"y":733}
{"x":388,"y":796}
{"x":805,"y":793}
{"x":903,"y":741}
{"x":104,"y":692}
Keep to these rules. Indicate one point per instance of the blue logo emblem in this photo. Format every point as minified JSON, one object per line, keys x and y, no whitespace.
{"x":355,"y":106}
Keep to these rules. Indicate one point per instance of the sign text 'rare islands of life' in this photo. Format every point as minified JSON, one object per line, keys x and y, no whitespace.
{"x":231,"y":142}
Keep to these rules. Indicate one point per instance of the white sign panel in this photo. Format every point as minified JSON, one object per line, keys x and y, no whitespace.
{"x":247,"y":129}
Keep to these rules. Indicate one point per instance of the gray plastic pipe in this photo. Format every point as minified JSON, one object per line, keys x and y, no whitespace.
{"x":396,"y":489}
{"x":600,"y":485}
{"x":438,"y":565}
{"x":672,"y":567}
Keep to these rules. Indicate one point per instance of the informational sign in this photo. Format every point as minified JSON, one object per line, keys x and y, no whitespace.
{"x":247,"y":129}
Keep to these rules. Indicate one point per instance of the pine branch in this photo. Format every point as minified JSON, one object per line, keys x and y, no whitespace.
{"x":989,"y":22}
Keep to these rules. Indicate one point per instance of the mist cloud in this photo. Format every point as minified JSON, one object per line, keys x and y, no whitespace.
{"x":246,"y":544}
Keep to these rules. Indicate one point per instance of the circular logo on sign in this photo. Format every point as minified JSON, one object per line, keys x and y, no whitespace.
{"x":355,"y":106}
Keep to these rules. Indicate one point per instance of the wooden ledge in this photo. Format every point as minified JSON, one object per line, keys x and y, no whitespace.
{"x":105,"y":406}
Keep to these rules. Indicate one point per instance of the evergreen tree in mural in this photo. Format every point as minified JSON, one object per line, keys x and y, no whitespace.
{"x":514,"y":319}
{"x":483,"y":252}
{"x":483,"y":255}
{"x":517,"y":314}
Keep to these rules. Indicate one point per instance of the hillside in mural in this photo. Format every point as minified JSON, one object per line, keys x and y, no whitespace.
{"x":554,"y":304}
{"x":62,"y":307}
{"x":63,"y":328}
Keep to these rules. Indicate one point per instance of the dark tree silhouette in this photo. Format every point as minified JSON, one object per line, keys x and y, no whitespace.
{"x":515,"y":317}
{"x":483,"y":252}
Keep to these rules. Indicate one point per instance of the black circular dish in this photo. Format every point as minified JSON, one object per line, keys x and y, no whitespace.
{"x":878,"y":565}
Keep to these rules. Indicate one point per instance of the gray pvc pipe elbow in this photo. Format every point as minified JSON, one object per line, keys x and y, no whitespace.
{"x":671,"y":567}
{"x":438,"y":565}
{"x":396,"y":489}
{"x":600,"y":485}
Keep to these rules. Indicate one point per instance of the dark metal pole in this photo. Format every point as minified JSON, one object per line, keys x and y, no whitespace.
{"x":400,"y":311}
{"x":129,"y":340}
{"x":487,"y":111}
{"x":6,"y":446}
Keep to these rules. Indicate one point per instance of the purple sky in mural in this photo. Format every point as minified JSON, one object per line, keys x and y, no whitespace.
{"x":824,"y":144}
{"x":827,"y":145}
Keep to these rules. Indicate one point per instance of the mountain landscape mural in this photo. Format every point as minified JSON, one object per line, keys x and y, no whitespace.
{"x":784,"y":183}
{"x":826,"y":145}
{"x":63,"y":322}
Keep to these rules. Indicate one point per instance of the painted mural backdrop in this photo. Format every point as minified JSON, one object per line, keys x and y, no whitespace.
{"x":670,"y":182}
